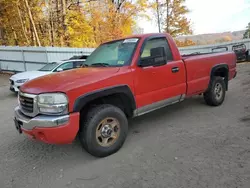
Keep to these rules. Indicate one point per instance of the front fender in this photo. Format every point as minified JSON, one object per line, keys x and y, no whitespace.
{"x":82,"y":100}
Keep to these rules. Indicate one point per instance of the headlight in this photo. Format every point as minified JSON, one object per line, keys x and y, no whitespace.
{"x":53,"y":103}
{"x":22,"y":81}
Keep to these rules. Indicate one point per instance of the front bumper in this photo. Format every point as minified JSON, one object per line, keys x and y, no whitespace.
{"x":49,"y":129}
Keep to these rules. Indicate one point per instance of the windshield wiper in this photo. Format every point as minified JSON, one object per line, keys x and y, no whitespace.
{"x":100,"y":64}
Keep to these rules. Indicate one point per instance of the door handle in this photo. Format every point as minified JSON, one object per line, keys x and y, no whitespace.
{"x":175,"y":69}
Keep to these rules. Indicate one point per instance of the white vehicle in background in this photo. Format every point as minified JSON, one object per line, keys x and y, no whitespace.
{"x":20,"y":78}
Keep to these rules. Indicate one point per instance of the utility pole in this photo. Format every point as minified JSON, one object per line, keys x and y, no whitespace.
{"x":158,"y":16}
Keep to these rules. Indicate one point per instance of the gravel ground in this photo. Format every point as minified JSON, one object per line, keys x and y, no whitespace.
{"x":185,"y":145}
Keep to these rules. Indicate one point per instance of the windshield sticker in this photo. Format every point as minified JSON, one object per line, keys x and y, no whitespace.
{"x":120,"y":62}
{"x":131,"y":40}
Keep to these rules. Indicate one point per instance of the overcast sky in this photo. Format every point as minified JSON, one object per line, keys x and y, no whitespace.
{"x":211,"y":16}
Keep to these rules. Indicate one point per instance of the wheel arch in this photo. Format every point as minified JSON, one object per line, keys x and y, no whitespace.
{"x":221,"y":70}
{"x":120,"y":96}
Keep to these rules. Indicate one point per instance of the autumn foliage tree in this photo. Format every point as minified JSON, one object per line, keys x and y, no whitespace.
{"x":186,"y":42}
{"x":171,"y":16}
{"x":247,"y":32}
{"x":176,"y":23}
{"x":73,"y":23}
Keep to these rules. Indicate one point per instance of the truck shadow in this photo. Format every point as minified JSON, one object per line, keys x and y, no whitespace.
{"x":165,"y":113}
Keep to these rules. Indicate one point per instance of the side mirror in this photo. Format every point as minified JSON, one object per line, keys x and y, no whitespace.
{"x":157,"y":58}
{"x":59,"y":70}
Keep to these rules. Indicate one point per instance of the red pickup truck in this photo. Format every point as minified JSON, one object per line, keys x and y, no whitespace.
{"x":121,"y":79}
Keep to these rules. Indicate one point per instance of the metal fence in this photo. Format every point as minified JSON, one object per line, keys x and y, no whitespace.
{"x":14,"y":58}
{"x":20,"y":59}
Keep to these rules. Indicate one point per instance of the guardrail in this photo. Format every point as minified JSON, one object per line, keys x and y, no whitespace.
{"x":18,"y":59}
{"x":208,"y":48}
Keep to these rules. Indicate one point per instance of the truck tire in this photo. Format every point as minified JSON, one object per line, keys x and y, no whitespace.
{"x":103,"y":130}
{"x":215,"y":95}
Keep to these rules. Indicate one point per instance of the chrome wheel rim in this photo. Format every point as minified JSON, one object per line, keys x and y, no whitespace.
{"x":107,"y":132}
{"x":218,"y":91}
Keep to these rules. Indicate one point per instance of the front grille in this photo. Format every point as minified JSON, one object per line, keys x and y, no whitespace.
{"x":11,"y":82}
{"x":26,"y":104}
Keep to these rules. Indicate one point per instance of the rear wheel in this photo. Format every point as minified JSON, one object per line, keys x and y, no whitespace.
{"x":215,"y":95}
{"x":103,"y":130}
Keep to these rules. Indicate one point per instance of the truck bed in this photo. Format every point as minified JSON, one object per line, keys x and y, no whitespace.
{"x":199,"y":66}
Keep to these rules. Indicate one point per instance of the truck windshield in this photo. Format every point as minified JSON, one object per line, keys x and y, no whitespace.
{"x":117,"y":53}
{"x":49,"y":66}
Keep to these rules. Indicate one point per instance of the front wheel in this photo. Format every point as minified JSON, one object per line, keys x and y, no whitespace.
{"x":215,"y":95}
{"x":103,"y":130}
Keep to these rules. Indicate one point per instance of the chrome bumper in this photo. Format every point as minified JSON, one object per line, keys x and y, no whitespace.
{"x":43,"y":121}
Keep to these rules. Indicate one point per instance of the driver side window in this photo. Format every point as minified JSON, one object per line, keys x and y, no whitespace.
{"x":155,"y":43}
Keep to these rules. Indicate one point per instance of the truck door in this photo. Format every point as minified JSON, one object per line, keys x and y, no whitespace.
{"x":158,"y":86}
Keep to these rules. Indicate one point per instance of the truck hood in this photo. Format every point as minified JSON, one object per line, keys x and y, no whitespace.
{"x":67,"y":80}
{"x":29,"y":75}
